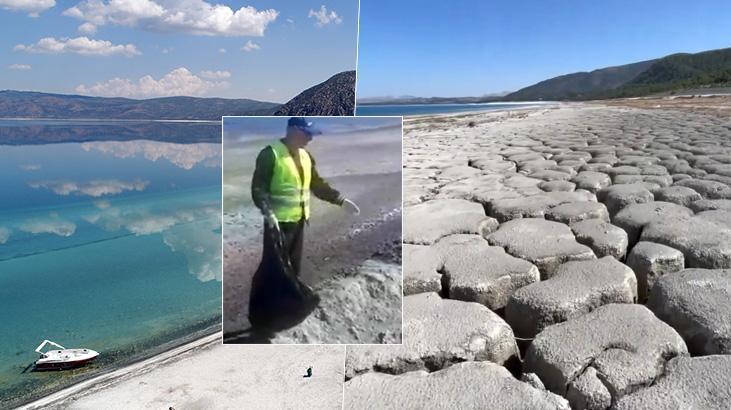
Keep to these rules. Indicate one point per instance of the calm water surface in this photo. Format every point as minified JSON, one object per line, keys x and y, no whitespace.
{"x":112,"y":244}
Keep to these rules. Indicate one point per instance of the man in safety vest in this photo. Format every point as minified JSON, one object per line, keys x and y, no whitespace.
{"x":283,"y":180}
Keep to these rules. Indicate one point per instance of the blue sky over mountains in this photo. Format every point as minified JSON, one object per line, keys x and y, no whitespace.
{"x":266,"y":50}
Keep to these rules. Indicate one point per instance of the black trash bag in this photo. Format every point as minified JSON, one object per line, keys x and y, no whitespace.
{"x":279,"y":300}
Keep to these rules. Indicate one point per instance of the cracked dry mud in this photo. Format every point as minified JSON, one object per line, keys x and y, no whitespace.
{"x":570,"y":257}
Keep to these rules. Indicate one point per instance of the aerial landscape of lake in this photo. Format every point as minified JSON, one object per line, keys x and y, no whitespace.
{"x":428,"y":109}
{"x":111,"y":244}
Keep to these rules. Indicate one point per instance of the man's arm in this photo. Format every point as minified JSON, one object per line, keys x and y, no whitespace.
{"x":262,"y":179}
{"x":321,"y":189}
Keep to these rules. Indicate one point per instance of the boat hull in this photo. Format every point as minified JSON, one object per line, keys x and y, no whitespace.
{"x":63,"y":365}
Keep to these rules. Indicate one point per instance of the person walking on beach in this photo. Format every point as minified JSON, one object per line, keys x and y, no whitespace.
{"x":284,"y":177}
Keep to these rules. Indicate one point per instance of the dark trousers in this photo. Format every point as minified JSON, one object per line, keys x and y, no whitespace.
{"x":293,"y":234}
{"x":271,"y":292}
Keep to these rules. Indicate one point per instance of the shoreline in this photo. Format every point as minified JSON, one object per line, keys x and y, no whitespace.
{"x":518,"y":106}
{"x":101,"y":381}
{"x":151,"y":355}
{"x":206,"y":374}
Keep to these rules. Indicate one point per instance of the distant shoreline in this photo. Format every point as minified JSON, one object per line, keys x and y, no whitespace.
{"x":471,"y":108}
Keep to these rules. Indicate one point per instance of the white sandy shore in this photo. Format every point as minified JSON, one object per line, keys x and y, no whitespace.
{"x":205,"y":374}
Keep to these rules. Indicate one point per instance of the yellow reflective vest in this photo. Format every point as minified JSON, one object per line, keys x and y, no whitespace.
{"x":289,"y":196}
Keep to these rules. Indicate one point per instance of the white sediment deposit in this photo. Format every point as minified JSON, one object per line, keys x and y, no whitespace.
{"x":364,"y":307}
{"x":554,"y":227}
{"x":207,"y":375}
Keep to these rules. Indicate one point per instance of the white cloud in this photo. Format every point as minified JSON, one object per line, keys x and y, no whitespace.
{"x":185,"y":156}
{"x":94,"y":188}
{"x":167,"y":50}
{"x":4,"y":235}
{"x":30,"y":167}
{"x":79,"y":45}
{"x":196,"y":17}
{"x":324,"y":17}
{"x":250,"y":46}
{"x":33,"y":7}
{"x":216,"y":75}
{"x":19,"y":67}
{"x":177,"y":82}
{"x":87,"y":28}
{"x":222,"y":50}
{"x":51,"y":225}
{"x":290,"y":21}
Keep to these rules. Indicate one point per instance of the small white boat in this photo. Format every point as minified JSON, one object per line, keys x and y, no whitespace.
{"x":63,"y":358}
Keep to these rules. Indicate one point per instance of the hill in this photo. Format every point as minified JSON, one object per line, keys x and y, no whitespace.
{"x":670,"y":73}
{"x":336,"y":96}
{"x":23,"y":104}
{"x":580,"y":85}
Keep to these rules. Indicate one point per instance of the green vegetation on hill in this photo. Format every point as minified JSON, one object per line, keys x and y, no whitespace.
{"x":677,"y":72}
{"x":581,"y":85}
{"x":671,"y":73}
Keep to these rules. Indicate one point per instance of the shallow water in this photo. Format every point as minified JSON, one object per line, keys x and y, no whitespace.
{"x":108,"y":245}
{"x":425,"y":109}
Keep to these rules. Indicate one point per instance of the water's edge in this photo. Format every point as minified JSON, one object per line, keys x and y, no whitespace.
{"x":110,"y":361}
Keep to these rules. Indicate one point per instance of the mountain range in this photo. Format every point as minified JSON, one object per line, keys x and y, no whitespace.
{"x":335,"y":96}
{"x":670,"y":74}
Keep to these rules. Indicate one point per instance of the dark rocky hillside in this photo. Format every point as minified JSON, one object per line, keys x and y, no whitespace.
{"x":336,"y":96}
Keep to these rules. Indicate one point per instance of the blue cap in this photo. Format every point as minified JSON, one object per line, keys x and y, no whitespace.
{"x":304,"y":125}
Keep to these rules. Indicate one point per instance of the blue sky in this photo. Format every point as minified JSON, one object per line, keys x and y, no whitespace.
{"x":150,"y":48}
{"x":476,"y":47}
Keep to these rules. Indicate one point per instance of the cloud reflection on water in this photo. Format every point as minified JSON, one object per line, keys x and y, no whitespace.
{"x":52,"y":225}
{"x":192,"y":231}
{"x":94,"y":188}
{"x":185,"y":156}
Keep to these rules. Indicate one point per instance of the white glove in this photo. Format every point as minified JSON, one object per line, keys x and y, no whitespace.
{"x":271,"y":220}
{"x":350,"y":206}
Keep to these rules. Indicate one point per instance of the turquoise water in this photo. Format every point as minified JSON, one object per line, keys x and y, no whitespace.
{"x":109,"y":245}
{"x":426,"y":109}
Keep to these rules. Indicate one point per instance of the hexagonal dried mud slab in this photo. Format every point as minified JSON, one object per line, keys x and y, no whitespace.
{"x":602,"y":237}
{"x":618,"y":196}
{"x":421,"y":266}
{"x":634,"y":217}
{"x":429,"y":221}
{"x":470,"y":385}
{"x":478,"y":272}
{"x":705,"y":243}
{"x":686,"y":383}
{"x":695,"y":302}
{"x":576,"y":289}
{"x":650,"y":261}
{"x":546,"y":244}
{"x":625,"y":343}
{"x":437,"y":333}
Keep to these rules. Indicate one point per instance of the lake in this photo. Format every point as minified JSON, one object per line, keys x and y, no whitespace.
{"x":427,"y":109}
{"x":111,"y":244}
